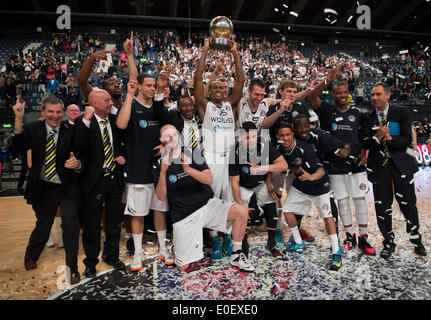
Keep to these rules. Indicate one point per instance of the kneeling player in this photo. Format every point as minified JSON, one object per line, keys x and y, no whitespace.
{"x":251,"y":159}
{"x":310,"y":186}
{"x":185,"y":181}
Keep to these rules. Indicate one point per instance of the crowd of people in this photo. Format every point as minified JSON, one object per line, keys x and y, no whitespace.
{"x":52,"y":69}
{"x":219,"y":159}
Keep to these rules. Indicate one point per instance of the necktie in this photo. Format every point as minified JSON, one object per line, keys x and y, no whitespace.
{"x":384,"y":143}
{"x":107,"y":148}
{"x":192,"y":137}
{"x":50,"y":172}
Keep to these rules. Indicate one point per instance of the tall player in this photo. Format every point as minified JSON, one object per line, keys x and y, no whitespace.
{"x":142,"y":127}
{"x":347,"y":176}
{"x":218,"y":118}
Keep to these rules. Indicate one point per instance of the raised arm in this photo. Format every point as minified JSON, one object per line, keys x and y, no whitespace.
{"x":313,"y":97}
{"x":199,"y":82}
{"x":87,"y":68}
{"x":129,"y":49}
{"x":124,"y":114}
{"x":239,"y":81}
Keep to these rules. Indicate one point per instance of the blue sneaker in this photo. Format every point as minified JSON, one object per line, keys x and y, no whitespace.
{"x":279,"y":240}
{"x":336,"y":262}
{"x":296,"y":247}
{"x":130,"y":246}
{"x":341,"y":250}
{"x":227,"y":245}
{"x":216,"y":255}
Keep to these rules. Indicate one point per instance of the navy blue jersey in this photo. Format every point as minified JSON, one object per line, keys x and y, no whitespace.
{"x":303,"y":156}
{"x":346,"y":127}
{"x":185,"y":194}
{"x":286,"y":116}
{"x":141,"y":136}
{"x":324,"y":144}
{"x":265,"y":153}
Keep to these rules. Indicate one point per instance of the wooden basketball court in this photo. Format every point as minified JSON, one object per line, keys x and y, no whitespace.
{"x":17,"y":221}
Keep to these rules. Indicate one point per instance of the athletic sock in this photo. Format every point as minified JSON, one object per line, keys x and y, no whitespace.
{"x":363,"y":230}
{"x":161,"y":236}
{"x":334,"y":243}
{"x":236,"y":246}
{"x":348,"y":229}
{"x":296,"y":235}
{"x":137,"y":241}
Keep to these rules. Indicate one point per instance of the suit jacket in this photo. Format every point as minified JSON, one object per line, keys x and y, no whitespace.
{"x":173,"y":117}
{"x":34,"y":137}
{"x":397,"y":147}
{"x":89,"y":144}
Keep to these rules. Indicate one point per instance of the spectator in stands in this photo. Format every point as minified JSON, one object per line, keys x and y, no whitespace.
{"x":52,"y":85}
{"x":421,"y":133}
{"x":9,"y":92}
{"x":360,"y":93}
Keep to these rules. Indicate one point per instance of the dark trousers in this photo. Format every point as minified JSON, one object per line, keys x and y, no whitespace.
{"x":108,"y":192}
{"x":53,"y":196}
{"x":389,"y":181}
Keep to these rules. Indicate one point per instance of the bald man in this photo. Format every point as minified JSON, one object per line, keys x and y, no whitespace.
{"x":72,"y":112}
{"x":99,"y":141}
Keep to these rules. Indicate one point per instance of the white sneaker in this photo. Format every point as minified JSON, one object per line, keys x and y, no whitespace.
{"x":136,"y":264}
{"x":167,"y":256}
{"x":50,"y":242}
{"x":238,"y":259}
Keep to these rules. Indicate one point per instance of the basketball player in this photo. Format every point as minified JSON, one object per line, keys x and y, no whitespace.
{"x":142,"y":127}
{"x":248,"y":176}
{"x":185,"y":183}
{"x":218,"y":118}
{"x":348,"y":176}
{"x":310,"y":186}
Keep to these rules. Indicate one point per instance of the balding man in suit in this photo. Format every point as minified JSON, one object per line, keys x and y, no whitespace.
{"x":100,"y":142}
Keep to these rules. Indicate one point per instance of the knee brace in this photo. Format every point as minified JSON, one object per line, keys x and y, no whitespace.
{"x":361,"y":210}
{"x":344,"y":211}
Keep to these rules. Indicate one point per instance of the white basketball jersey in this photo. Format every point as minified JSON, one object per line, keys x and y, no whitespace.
{"x":245,"y":114}
{"x":218,"y":128}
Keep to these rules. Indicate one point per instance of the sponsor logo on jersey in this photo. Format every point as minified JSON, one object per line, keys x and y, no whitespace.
{"x":173,"y":178}
{"x":143,"y":123}
{"x":221,"y":120}
{"x":352,"y":118}
{"x":334,"y":127}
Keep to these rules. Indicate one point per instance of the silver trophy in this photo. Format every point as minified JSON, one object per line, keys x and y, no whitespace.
{"x":221,"y":30}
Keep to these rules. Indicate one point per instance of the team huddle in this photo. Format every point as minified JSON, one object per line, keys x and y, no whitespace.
{"x":220,"y":161}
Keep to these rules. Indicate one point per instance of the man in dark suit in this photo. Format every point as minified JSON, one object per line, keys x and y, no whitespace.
{"x":184,"y":119}
{"x":100,"y":142}
{"x":52,"y":180}
{"x":387,"y":136}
